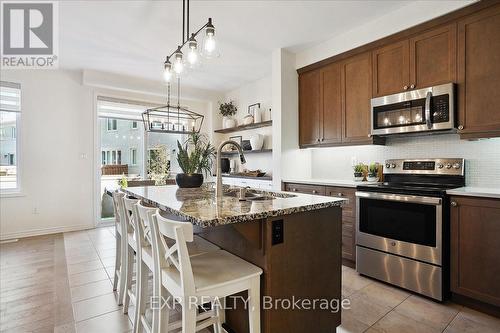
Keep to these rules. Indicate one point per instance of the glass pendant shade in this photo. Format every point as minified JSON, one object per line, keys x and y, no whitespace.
{"x":167,"y":72}
{"x":193,"y":54}
{"x":178,"y":62}
{"x":210,"y":49}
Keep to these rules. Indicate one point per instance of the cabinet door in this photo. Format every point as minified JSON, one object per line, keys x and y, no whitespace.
{"x":391,"y":69}
{"x":475,"y":248}
{"x":479,"y":73}
{"x":331,"y":98}
{"x":433,"y":57}
{"x":309,"y":108}
{"x":356,"y":93}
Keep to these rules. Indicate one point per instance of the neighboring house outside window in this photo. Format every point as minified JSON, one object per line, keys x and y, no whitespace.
{"x":10,"y":116}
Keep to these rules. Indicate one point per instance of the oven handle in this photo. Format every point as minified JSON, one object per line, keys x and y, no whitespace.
{"x":400,"y":198}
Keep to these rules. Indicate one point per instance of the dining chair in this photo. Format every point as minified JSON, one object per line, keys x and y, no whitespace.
{"x":193,"y":280}
{"x":120,"y":246}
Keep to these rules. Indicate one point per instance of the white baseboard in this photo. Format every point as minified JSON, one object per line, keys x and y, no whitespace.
{"x":45,"y":231}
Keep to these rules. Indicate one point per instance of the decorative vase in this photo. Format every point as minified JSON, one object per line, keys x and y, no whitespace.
{"x":248,"y":119}
{"x":257,"y":115}
{"x":257,"y":141}
{"x":228,"y":122}
{"x":358,"y":177}
{"x":189,"y":180}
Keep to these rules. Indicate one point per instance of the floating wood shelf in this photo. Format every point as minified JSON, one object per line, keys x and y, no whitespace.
{"x":245,"y":127}
{"x":234,"y":152}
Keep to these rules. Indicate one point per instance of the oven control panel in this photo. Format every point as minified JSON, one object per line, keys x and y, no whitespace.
{"x":438,"y":166}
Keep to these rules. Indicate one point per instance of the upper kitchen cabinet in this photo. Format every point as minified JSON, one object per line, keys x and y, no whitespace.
{"x":424,"y":60}
{"x":433,"y":57}
{"x":331,"y":105}
{"x":391,"y":66}
{"x":479,"y":74}
{"x":356,"y":95}
{"x":309,"y":108}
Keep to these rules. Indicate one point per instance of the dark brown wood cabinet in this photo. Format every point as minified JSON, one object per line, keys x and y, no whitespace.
{"x":340,"y":113}
{"x":475,"y":248}
{"x":433,"y":57}
{"x":309,"y":108}
{"x":348,"y":213}
{"x":391,"y":68}
{"x":424,"y":60}
{"x":331,"y":105}
{"x":356,"y":95}
{"x":479,"y":74}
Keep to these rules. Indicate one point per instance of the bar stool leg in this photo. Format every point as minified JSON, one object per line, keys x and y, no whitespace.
{"x":189,"y":312}
{"x":128,"y":279}
{"x":117,"y":259}
{"x":254,"y":306}
{"x":123,"y":271}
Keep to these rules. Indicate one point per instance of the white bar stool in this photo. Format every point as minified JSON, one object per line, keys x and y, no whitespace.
{"x":120,"y":248}
{"x":142,"y":215}
{"x":194,"y":280}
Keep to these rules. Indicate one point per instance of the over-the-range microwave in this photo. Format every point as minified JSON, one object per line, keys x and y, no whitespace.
{"x":420,"y":110}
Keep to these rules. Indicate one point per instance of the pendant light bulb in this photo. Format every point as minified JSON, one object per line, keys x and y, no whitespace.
{"x":167,"y":72}
{"x":178,"y":63}
{"x":192,"y":56}
{"x":209,"y":44}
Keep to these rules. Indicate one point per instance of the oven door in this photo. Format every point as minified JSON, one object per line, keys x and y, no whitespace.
{"x":406,"y":225}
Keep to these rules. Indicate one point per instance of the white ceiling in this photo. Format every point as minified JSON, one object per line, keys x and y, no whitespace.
{"x":133,"y":37}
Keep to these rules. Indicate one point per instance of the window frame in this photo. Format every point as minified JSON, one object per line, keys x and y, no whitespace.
{"x":17,"y":191}
{"x":111,"y":128}
{"x":133,"y":156}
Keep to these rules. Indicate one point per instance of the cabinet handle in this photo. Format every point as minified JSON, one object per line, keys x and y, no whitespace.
{"x":412,"y":86}
{"x":454,"y":204}
{"x":317,"y":140}
{"x":369,"y":135}
{"x":460,"y":127}
{"x":340,"y":194}
{"x":322,"y":139}
{"x":294,"y":190}
{"x":314,"y":191}
{"x":405,"y":87}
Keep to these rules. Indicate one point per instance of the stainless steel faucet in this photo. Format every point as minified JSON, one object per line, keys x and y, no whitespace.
{"x":218,"y":188}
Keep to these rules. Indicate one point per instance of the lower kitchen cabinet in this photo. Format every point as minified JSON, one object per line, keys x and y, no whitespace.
{"x":475,"y":249}
{"x":348,"y":213}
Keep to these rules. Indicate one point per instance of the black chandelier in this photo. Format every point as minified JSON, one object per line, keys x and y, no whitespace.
{"x":175,"y":118}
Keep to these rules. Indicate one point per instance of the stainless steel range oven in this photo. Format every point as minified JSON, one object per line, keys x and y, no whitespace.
{"x":422,"y":110}
{"x":402,"y":226}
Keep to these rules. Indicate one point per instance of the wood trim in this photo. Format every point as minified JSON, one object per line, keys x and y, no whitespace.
{"x":408,"y":33}
{"x":473,"y":304}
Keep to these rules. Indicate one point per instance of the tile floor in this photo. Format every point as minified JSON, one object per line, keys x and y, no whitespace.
{"x":63,"y":283}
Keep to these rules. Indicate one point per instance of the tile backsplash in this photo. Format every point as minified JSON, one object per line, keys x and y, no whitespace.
{"x":482,"y":157}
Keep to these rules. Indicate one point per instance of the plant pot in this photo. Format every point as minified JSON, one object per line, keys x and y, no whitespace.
{"x":228,"y":122}
{"x":358,"y":177}
{"x":189,"y":180}
{"x":372,"y":177}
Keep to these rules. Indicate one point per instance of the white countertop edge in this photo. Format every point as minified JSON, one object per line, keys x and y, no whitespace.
{"x":471,"y":191}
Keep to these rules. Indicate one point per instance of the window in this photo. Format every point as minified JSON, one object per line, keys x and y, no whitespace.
{"x":111,"y":156}
{"x":10,"y":116}
{"x":112,"y":125}
{"x":133,"y":156}
{"x":134,"y":125}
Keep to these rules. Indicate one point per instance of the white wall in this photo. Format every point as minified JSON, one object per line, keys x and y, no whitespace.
{"x":258,"y":91}
{"x":482,"y":157}
{"x":400,"y":19}
{"x":58,"y":147}
{"x":56,"y":129}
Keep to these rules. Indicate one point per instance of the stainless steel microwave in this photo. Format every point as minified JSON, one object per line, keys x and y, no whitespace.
{"x":421,"y":110}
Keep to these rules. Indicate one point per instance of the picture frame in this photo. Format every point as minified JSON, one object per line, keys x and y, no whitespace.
{"x":238,"y":140}
{"x":252,"y":108}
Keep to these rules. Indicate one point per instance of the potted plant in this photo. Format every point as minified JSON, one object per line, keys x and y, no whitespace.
{"x":373,"y":172}
{"x":195,"y":157}
{"x":228,"y":110}
{"x":359,"y":170}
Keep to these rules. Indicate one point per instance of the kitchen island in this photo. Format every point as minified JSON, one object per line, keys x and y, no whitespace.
{"x":294,"y":238}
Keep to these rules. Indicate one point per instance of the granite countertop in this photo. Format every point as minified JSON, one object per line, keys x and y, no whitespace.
{"x":329,"y":182}
{"x":473,"y":191}
{"x":200,"y":207}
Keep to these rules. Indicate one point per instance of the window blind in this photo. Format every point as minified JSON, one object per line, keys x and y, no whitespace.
{"x":121,"y":109}
{"x":10,"y":96}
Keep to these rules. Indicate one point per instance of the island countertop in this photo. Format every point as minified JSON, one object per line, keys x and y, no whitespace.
{"x":200,"y":207}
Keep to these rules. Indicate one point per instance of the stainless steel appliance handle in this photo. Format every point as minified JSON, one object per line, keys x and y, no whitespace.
{"x":428,"y":97}
{"x":400,"y":197}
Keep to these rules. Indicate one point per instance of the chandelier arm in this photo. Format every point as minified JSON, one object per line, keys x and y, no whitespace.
{"x":185,"y":42}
